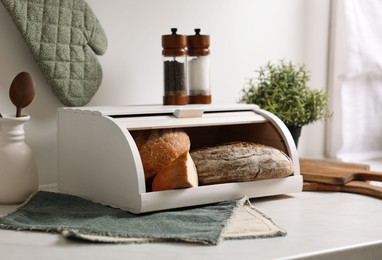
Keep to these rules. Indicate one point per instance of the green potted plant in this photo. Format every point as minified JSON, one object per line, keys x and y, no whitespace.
{"x":282,"y":89}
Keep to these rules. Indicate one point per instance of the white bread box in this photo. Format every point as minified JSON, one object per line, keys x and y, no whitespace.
{"x":99,"y":160}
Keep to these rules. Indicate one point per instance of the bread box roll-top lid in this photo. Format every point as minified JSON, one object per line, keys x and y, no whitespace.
{"x":174,"y":44}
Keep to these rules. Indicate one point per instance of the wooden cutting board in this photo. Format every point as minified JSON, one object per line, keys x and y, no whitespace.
{"x":334,"y":172}
{"x":360,"y":187}
{"x":337,"y":172}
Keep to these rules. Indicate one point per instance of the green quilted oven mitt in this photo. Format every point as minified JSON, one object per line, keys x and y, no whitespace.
{"x":64,"y":37}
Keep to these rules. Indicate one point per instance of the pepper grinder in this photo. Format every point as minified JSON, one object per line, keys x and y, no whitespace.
{"x":174,"y":68}
{"x":199,"y":68}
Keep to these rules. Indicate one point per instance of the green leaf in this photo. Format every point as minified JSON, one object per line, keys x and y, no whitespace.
{"x":282,"y":89}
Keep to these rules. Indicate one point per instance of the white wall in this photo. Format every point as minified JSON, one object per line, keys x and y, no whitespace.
{"x":245,"y":34}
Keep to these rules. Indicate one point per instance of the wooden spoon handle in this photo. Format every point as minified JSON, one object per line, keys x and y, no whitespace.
{"x":18,"y":111}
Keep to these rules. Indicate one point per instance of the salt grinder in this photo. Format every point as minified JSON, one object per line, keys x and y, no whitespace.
{"x":199,"y":68}
{"x":174,"y":67}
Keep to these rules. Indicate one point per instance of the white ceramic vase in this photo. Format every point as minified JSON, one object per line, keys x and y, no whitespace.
{"x":18,"y":171}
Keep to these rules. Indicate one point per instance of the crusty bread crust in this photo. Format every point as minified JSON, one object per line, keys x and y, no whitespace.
{"x":240,"y":162}
{"x":181,"y":173}
{"x":159,"y":147}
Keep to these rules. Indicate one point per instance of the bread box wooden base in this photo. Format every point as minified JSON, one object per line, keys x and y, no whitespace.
{"x":99,"y":160}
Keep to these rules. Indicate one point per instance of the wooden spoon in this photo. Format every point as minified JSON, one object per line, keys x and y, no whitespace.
{"x":22,"y":91}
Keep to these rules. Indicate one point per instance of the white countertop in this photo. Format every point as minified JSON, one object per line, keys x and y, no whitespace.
{"x":322,"y":225}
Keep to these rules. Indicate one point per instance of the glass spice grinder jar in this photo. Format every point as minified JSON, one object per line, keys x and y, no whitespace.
{"x":174,"y":68}
{"x":199,"y":68}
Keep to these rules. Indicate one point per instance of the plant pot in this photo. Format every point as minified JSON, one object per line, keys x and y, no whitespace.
{"x":295,"y":132}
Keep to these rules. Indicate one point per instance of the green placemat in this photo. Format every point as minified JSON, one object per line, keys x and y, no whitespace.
{"x":75,"y":217}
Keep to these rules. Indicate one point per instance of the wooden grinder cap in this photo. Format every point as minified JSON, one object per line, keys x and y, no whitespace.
{"x":198,"y":44}
{"x":174,"y":44}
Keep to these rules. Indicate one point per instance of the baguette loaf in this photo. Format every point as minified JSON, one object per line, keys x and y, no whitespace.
{"x":158,"y":148}
{"x":181,"y":173}
{"x":240,"y":162}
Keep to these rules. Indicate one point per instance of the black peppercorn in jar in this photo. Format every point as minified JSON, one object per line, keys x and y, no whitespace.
{"x":174,"y":68}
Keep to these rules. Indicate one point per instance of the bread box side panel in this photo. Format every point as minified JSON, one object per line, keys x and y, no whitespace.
{"x":98,"y":160}
{"x":286,"y":138}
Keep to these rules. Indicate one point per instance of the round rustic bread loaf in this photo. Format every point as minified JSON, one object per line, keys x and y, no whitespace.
{"x":159,"y":147}
{"x":239,"y":162}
